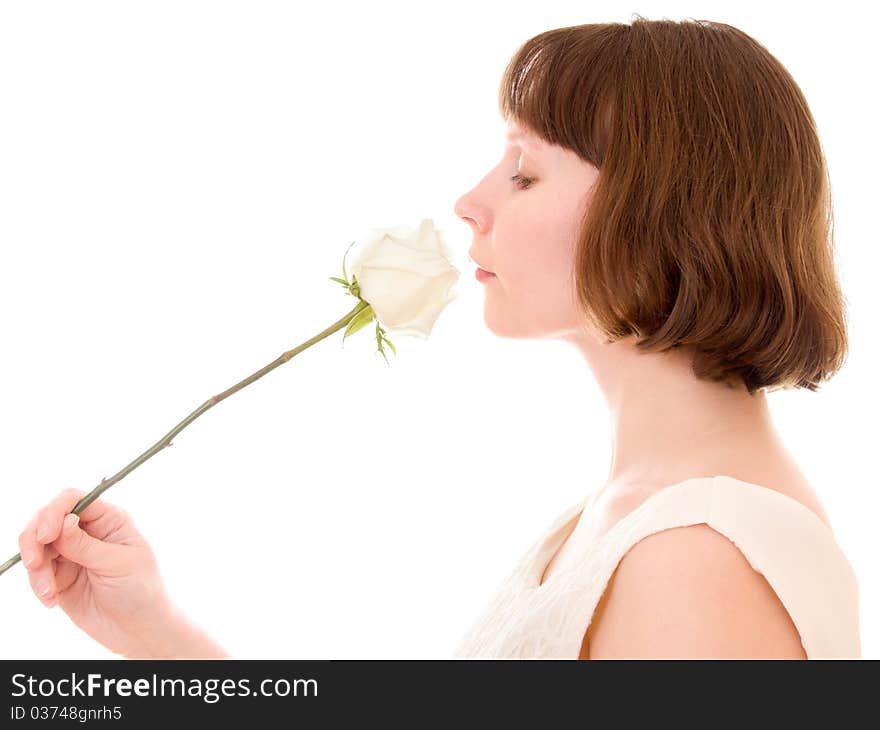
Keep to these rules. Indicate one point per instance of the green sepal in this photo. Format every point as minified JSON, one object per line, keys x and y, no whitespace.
{"x":343,"y":260}
{"x":341,"y":281}
{"x":360,"y":320}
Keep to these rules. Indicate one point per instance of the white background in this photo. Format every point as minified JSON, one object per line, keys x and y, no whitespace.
{"x":177,"y":182}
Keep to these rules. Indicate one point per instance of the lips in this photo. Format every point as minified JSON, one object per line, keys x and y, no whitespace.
{"x":483,"y":275}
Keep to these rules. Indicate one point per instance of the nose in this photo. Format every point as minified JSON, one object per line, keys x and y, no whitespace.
{"x":468,"y":212}
{"x":459,"y":206}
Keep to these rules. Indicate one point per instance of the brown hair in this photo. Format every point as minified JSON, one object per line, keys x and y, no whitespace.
{"x":710,"y":224}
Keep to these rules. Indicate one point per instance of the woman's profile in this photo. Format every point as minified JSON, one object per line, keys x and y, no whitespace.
{"x":663,"y":205}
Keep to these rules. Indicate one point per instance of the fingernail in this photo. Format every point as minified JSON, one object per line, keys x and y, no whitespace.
{"x":70,"y":520}
{"x":43,"y":587}
{"x":27,"y":557}
{"x":42,"y":530}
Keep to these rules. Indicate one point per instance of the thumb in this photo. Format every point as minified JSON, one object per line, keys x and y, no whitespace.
{"x":77,"y":545}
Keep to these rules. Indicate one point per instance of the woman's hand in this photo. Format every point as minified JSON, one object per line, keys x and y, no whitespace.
{"x":102,"y":572}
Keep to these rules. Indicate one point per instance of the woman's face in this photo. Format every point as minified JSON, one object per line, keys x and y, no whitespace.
{"x":526,"y":232}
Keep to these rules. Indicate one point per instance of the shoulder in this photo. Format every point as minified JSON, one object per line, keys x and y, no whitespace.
{"x":688,"y":592}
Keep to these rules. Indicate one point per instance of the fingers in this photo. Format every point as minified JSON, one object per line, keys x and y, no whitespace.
{"x":44,"y":581}
{"x":78,"y":546}
{"x":66,"y":573}
{"x":102,"y":517}
{"x":36,"y":541}
{"x":43,"y":584}
{"x":45,"y":526}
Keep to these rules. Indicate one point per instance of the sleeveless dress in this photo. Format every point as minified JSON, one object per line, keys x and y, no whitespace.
{"x":781,"y":538}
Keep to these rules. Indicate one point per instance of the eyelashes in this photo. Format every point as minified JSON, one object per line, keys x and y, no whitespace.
{"x":522,"y":182}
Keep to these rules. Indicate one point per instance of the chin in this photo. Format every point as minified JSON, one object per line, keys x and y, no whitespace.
{"x":504,"y":320}
{"x":502,"y":324}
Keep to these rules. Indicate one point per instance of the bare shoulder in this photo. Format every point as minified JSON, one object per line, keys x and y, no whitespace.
{"x":688,"y":592}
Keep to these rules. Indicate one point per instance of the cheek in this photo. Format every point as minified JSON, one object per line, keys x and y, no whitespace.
{"x":538,"y":279}
{"x":535,"y":273}
{"x":537,"y":250}
{"x":525,"y":233}
{"x":535,"y":239}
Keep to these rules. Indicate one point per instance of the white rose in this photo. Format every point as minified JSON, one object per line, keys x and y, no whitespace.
{"x":406,"y":276}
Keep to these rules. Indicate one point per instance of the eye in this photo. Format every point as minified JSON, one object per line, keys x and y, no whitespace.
{"x":521,"y":181}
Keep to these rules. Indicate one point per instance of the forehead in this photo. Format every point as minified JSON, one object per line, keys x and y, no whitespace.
{"x":518,"y":136}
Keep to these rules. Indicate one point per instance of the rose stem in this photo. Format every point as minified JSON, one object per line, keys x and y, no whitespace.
{"x":210,"y":403}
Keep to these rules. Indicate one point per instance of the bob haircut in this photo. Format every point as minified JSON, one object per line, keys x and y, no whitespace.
{"x":710,"y":224}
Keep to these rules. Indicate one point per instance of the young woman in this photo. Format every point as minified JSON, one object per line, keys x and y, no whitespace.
{"x":664,"y":206}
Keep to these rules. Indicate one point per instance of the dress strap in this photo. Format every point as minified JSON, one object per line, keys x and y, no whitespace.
{"x":781,"y":538}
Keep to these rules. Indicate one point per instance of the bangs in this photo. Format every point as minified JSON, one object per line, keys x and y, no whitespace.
{"x":559,"y":86}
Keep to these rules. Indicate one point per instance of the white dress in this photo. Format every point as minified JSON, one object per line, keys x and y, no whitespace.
{"x":780,"y":537}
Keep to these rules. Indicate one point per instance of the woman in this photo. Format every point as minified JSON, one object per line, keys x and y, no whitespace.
{"x":663,"y":205}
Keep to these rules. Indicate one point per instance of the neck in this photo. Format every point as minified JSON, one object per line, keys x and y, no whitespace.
{"x":667,"y":425}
